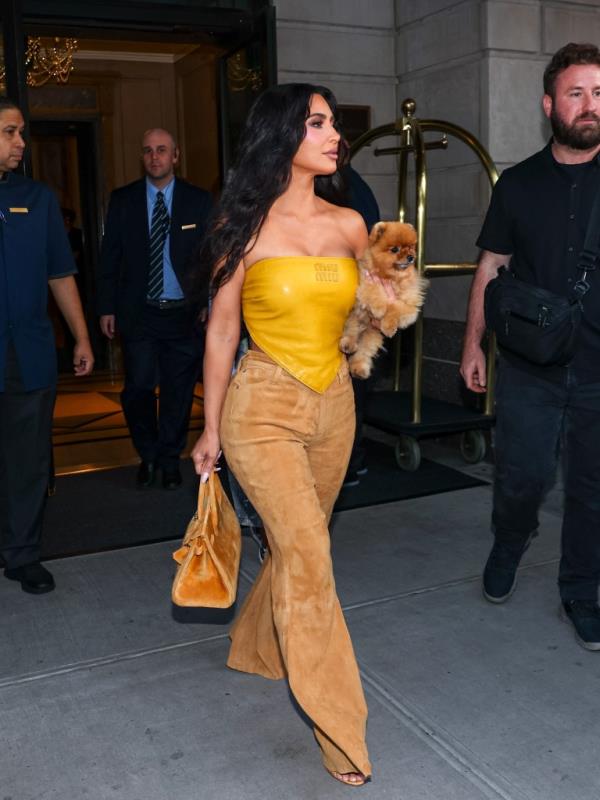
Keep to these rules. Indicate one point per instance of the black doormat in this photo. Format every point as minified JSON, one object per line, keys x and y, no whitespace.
{"x":386,"y":483}
{"x":97,"y":511}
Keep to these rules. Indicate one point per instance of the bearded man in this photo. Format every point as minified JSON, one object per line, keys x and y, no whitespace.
{"x":536,"y":224}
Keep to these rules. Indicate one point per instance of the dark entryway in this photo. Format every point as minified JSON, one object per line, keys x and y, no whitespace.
{"x":62,"y":154}
{"x":200,"y":64}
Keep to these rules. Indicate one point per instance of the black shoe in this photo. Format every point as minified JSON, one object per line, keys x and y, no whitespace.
{"x":350,"y":480}
{"x":584,"y":616}
{"x":146,"y":475}
{"x":500,"y":573}
{"x":258,"y":535}
{"x":34,"y":578}
{"x":171,"y":478}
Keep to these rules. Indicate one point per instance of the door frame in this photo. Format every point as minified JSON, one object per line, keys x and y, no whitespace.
{"x":264,"y":27}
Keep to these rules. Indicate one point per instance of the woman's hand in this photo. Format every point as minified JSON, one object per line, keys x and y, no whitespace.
{"x":205,"y":454}
{"x":384,"y":282}
{"x":387,"y":287}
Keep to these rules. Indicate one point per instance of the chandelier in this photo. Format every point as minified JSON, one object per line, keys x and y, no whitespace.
{"x":241,"y":77}
{"x":46,"y":60}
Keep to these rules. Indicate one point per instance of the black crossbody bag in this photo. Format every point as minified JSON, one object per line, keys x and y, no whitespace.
{"x":536,"y":324}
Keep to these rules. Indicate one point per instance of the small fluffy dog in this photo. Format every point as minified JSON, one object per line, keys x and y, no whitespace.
{"x":391,"y":256}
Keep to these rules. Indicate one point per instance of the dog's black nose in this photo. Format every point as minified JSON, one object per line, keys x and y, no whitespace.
{"x":410,"y":259}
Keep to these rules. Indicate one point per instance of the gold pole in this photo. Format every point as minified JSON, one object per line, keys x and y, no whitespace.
{"x":403,"y":168}
{"x":405,"y":147}
{"x":421,"y":207}
{"x":438,"y":270}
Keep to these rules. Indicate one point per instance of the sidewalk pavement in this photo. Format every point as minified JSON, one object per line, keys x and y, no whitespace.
{"x":107,"y":692}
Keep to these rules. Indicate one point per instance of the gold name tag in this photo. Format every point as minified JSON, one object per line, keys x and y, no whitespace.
{"x":19,"y":210}
{"x":188,"y":227}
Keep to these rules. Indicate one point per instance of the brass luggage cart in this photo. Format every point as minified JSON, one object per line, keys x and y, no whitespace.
{"x":410,"y":415}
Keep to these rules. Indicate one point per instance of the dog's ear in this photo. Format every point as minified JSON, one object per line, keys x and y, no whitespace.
{"x":410,"y":234}
{"x":377,"y":232}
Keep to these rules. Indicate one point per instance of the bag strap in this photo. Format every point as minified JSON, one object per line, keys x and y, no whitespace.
{"x":588,"y":258}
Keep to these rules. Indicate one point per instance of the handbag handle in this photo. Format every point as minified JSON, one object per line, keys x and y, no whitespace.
{"x":207,"y":498}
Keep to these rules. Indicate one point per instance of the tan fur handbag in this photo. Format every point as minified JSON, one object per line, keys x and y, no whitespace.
{"x":209,"y":557}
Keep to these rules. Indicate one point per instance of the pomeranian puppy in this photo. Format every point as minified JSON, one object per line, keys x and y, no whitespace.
{"x":390,"y":255}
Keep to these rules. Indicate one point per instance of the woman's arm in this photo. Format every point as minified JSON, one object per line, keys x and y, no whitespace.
{"x":355,"y":231}
{"x":359,"y":238}
{"x":222,"y":339}
{"x":64,"y":291}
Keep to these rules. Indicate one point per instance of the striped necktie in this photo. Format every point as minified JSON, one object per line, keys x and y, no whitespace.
{"x":159,"y":228}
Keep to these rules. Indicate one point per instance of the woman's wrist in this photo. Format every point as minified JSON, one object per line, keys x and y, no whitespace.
{"x":211,"y":427}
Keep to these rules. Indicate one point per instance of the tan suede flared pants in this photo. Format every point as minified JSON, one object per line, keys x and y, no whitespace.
{"x":289,"y":446}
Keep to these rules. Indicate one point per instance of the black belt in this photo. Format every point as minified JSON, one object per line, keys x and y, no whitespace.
{"x":164,"y":304}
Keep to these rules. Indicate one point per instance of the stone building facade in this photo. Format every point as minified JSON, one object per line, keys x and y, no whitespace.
{"x":477,"y":63}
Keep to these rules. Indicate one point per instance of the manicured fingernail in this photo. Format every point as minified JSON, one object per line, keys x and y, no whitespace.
{"x":204,"y":477}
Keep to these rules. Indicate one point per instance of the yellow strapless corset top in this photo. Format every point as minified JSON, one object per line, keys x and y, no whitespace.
{"x":295,"y":308}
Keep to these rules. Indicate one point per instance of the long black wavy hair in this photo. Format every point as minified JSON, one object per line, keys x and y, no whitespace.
{"x":271,"y":136}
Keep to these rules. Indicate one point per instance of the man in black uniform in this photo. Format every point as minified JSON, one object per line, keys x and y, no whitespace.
{"x":34,"y":254}
{"x":537,"y":221}
{"x":152,"y":228}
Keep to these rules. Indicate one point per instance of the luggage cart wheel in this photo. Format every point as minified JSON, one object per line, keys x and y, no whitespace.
{"x":408,"y":453}
{"x":473,"y":446}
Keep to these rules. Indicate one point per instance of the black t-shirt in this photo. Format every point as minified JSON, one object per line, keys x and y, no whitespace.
{"x":539,"y":213}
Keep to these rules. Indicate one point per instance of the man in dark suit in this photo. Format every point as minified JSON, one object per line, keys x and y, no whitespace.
{"x":152,"y":228}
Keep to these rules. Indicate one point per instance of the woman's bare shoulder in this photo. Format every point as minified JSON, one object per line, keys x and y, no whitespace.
{"x":354,"y":228}
{"x":348,"y":216}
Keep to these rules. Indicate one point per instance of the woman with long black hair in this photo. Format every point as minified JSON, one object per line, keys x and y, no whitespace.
{"x":285,"y":254}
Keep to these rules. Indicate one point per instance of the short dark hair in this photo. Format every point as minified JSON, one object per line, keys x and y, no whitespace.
{"x":6,"y":103}
{"x":572,"y":53}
